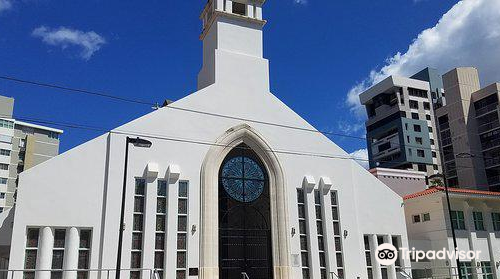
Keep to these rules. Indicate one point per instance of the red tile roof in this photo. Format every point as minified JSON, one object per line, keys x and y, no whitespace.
{"x":451,"y":190}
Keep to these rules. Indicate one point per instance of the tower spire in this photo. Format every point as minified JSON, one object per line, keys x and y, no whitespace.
{"x":232,"y":37}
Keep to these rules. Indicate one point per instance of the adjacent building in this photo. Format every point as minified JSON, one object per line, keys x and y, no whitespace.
{"x":211,"y":197}
{"x":476,"y":220}
{"x":401,"y":130}
{"x":470,"y":131}
{"x":22,"y":146}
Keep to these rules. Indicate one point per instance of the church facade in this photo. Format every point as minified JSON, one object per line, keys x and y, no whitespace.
{"x":235,"y":184}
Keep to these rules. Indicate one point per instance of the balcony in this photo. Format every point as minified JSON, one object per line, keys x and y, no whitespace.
{"x":488,"y":126}
{"x":444,"y":126}
{"x":490,"y":144}
{"x":487,"y":109}
{"x":491,"y":162}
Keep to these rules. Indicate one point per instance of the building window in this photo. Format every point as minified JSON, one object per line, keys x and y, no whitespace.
{"x":368,"y":257}
{"x":318,"y":206}
{"x":434,"y":154}
{"x":396,"y":241}
{"x":182,"y":230}
{"x":478,"y":221}
{"x":3,"y":180}
{"x":304,"y":244}
{"x":84,"y":253}
{"x":4,"y":152}
{"x":420,"y":153}
{"x":496,"y":221}
{"x":486,"y":270}
{"x":58,"y":253}
{"x":1,"y":209}
{"x":458,"y":220}
{"x":413,"y":104}
{"x":432,"y":142}
{"x":337,"y":234}
{"x":416,"y":218}
{"x":426,"y":217}
{"x":6,"y":124}
{"x":419,"y":140}
{"x":137,"y":228}
{"x":427,"y":117}
{"x":161,"y":228}
{"x":2,"y":196}
{"x":418,"y":92}
{"x":417,"y":128}
{"x":22,"y":143}
{"x":431,"y":130}
{"x":4,"y":167}
{"x":466,"y":270}
{"x":239,"y":8}
{"x":31,"y":252}
{"x":53,"y":135}
{"x":427,"y":106}
{"x":414,"y":116}
{"x":422,"y":167}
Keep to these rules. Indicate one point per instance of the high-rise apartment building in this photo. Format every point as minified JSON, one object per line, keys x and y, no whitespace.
{"x":22,"y":146}
{"x":401,"y":128}
{"x":470,"y":131}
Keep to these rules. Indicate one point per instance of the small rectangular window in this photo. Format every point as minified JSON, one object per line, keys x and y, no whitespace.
{"x":478,"y":221}
{"x":414,"y":116}
{"x":458,"y":220}
{"x":239,"y":8}
{"x":416,"y":218}
{"x":417,"y":128}
{"x":420,"y":153}
{"x":419,"y":140}
{"x":426,"y":217}
{"x":428,"y":117}
{"x":413,"y":104}
{"x":496,"y":221}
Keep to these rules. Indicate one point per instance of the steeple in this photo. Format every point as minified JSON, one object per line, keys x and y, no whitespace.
{"x":232,"y":43}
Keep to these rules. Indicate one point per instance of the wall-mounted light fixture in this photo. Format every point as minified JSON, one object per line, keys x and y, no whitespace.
{"x":193,"y":229}
{"x":293,"y":231}
{"x":346,"y":234}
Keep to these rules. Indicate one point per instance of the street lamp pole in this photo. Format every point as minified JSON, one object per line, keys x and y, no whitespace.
{"x":138,"y":142}
{"x":453,"y":233}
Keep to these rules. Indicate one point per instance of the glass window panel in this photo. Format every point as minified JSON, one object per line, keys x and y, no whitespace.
{"x":333,"y":197}
{"x":322,"y":259}
{"x":302,"y":211}
{"x":57,"y":259}
{"x":56,"y":275}
{"x":367,"y":242}
{"x":161,"y":206}
{"x":182,"y":206}
{"x":336,"y":228}
{"x":180,"y":274}
{"x":321,"y":243}
{"x":181,"y":241}
{"x":135,"y":260}
{"x":181,"y":259}
{"x":30,"y":261}
{"x":368,"y":257}
{"x":82,"y":275}
{"x":317,"y":197}
{"x":370,"y":273}
{"x":138,"y":222}
{"x":338,"y":244}
{"x":85,"y":238}
{"x":340,"y":262}
{"x":32,"y":236}
{"x":303,"y":243}
{"x":305,"y":273}
{"x":305,"y":259}
{"x":319,"y":227}
{"x":135,"y":275}
{"x":139,"y":204}
{"x":182,"y":223}
{"x":160,"y":223}
{"x":183,"y":189}
{"x":137,"y":241}
{"x":335,"y":213}
{"x":160,"y":241}
{"x":140,"y":184}
{"x":59,"y":238}
{"x":300,"y":196}
{"x":159,"y":260}
{"x":302,"y":227}
{"x":162,"y":188}
{"x":323,"y":274}
{"x":83,"y":260}
{"x":318,"y":212}
{"x":340,"y":273}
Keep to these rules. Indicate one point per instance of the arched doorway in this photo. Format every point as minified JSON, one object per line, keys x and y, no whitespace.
{"x":244,"y":216}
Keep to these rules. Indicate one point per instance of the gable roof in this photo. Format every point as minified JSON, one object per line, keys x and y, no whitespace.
{"x":441,"y":189}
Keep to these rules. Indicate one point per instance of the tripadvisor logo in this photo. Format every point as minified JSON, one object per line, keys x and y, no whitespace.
{"x":386,"y":254}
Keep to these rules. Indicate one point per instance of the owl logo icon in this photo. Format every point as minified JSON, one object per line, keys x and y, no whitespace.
{"x":386,"y":254}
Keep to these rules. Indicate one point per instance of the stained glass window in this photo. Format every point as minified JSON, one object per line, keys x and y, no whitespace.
{"x":243,"y":179}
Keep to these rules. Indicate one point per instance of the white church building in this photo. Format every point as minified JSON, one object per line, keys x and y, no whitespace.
{"x":222,"y":192}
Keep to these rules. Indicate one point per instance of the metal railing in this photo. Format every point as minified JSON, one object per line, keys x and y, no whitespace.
{"x":444,"y":273}
{"x":87,"y":273}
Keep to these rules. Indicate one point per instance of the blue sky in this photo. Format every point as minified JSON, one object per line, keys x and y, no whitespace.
{"x":321,"y":54}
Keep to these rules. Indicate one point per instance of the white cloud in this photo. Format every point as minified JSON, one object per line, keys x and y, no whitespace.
{"x":301,"y":2}
{"x":361,"y":157}
{"x":5,"y":5}
{"x":467,"y":35}
{"x":87,"y":42}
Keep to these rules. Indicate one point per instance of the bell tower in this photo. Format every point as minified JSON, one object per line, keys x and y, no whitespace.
{"x":233,"y":44}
